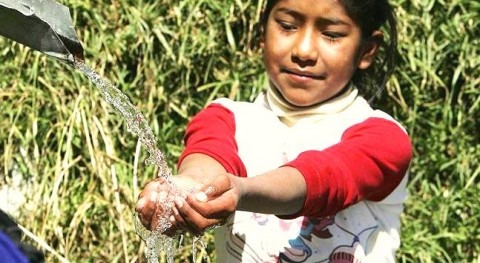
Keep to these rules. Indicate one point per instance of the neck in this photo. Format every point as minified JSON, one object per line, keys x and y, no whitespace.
{"x":290,"y":114}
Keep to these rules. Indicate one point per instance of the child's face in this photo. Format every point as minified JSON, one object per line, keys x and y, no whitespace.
{"x":312,"y":49}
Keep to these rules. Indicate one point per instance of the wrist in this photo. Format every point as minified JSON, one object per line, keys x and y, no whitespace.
{"x":238,"y":185}
{"x":201,"y":168}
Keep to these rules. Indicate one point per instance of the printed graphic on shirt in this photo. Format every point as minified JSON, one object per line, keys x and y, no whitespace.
{"x":330,"y":239}
{"x":345,"y":244}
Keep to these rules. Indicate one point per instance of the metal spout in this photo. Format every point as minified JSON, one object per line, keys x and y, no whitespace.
{"x":43,"y":25}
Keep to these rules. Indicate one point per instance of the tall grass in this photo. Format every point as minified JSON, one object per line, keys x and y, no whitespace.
{"x":438,"y":87}
{"x":82,"y":170}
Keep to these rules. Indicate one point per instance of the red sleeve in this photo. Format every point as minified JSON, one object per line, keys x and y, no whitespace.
{"x":212,"y":132}
{"x":369,"y":163}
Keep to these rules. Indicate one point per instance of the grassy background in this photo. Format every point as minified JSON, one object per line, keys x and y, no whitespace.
{"x":81,"y":170}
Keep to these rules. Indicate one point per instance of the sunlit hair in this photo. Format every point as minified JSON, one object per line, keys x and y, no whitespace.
{"x":370,"y":15}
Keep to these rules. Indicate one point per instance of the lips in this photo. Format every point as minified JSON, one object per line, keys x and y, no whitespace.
{"x":302,"y":74}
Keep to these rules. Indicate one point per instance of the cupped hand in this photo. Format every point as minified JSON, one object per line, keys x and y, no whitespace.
{"x":210,"y":207}
{"x":155,"y":204}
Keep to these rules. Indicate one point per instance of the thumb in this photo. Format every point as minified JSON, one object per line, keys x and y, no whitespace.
{"x":217,"y":187}
{"x":207,"y":192}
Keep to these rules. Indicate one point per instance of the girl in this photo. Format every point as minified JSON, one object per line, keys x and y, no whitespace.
{"x":308,"y":172}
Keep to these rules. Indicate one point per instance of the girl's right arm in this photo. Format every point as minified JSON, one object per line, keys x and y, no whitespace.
{"x":210,"y":150}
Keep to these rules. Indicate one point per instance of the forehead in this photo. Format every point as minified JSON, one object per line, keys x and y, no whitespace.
{"x":332,"y":9}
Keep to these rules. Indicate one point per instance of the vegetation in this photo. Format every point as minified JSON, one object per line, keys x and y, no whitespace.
{"x":82,"y":170}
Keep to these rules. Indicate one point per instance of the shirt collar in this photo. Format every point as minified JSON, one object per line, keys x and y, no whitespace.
{"x":291,"y":115}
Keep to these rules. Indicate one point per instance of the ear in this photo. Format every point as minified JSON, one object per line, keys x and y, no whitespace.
{"x":370,"y":49}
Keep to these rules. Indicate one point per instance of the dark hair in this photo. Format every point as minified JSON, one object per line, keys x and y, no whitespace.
{"x":370,"y":15}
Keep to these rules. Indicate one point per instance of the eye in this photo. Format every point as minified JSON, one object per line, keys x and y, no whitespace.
{"x":287,"y":26}
{"x":332,"y":36}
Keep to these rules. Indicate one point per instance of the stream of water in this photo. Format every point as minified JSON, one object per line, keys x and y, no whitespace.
{"x":155,"y":241}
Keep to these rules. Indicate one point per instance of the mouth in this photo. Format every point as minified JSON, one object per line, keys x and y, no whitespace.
{"x":302,"y":73}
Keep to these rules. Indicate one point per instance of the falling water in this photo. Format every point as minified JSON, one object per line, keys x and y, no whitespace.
{"x":136,"y":123}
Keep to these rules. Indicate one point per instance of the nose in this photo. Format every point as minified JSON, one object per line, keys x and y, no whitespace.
{"x":305,"y":49}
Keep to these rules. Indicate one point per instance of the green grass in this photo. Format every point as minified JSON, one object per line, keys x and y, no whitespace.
{"x":82,"y":170}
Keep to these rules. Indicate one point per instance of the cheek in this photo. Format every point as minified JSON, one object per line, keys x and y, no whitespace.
{"x":268,"y":64}
{"x":269,"y":56}
{"x":275,"y":52}
{"x":275,"y":44}
{"x":341,"y":59}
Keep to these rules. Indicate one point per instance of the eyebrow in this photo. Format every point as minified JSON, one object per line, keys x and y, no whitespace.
{"x":322,"y":20}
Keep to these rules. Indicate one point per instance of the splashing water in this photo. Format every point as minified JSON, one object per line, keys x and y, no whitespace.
{"x":136,"y":123}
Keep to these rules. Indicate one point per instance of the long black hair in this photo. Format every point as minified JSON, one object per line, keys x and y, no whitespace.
{"x":370,"y":15}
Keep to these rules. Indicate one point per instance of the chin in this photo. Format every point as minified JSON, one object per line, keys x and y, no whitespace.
{"x":299,"y":98}
{"x":301,"y":103}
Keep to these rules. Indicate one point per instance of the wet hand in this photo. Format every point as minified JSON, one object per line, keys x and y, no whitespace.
{"x":155,"y":204}
{"x":210,"y":207}
{"x":149,"y":205}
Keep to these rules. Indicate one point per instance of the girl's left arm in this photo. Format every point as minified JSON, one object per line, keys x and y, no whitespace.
{"x":368,"y":164}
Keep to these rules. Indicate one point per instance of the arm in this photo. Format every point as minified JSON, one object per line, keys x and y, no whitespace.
{"x":281,"y":191}
{"x":210,"y":150}
{"x":368,"y":164}
{"x":200,"y":168}
{"x":212,"y":133}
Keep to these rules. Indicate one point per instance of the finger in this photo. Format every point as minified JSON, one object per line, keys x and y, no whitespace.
{"x":173,"y":230}
{"x":160,"y":220}
{"x":145,"y":209}
{"x":149,"y":187}
{"x":177,"y":218}
{"x":157,"y":180}
{"x":218,"y":207}
{"x":217,"y":187}
{"x":150,"y":209}
{"x":143,"y":214}
{"x":197,"y":223}
{"x":153,"y":185}
{"x":181,"y":212}
{"x":188,"y":219}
